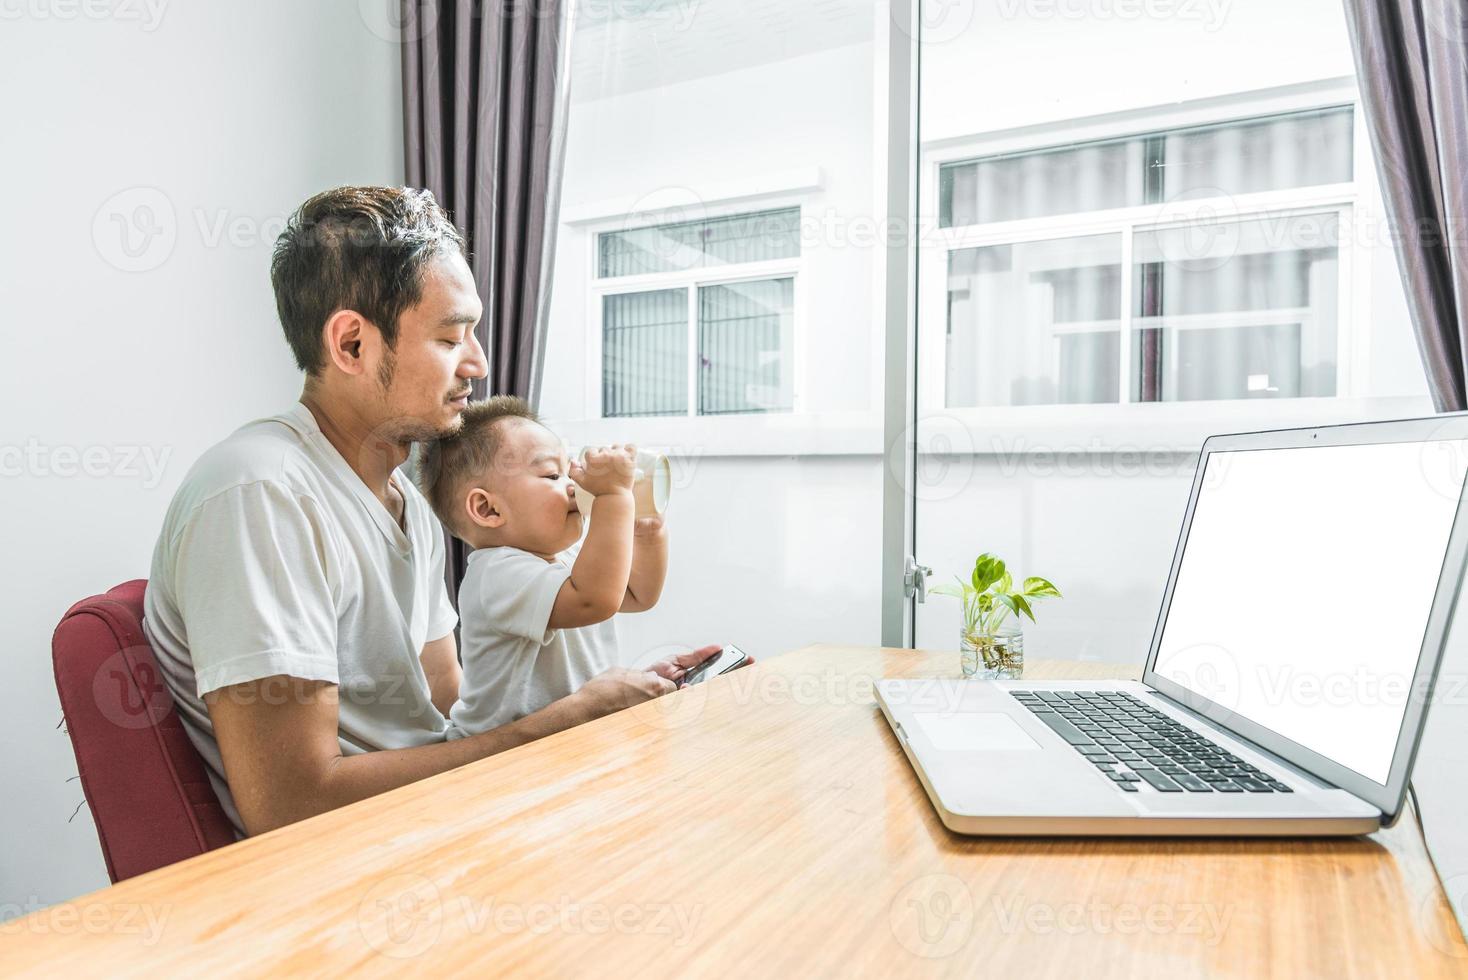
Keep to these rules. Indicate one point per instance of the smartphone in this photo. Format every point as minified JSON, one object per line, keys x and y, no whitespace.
{"x":722,"y":662}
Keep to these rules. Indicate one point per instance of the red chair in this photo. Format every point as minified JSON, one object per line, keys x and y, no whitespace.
{"x":144,"y":780}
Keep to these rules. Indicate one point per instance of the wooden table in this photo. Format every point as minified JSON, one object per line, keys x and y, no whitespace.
{"x":764,"y":824}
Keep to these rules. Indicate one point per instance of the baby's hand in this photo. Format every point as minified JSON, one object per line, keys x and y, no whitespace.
{"x":604,"y":471}
{"x":647,"y":527}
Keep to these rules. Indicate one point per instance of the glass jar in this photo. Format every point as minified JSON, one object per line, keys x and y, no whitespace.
{"x":998,"y":653}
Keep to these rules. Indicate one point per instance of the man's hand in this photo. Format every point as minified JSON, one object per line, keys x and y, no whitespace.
{"x":618,"y":688}
{"x":604,"y":471}
{"x":675,"y":667}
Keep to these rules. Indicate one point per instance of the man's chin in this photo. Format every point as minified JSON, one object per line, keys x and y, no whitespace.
{"x":430,"y":431}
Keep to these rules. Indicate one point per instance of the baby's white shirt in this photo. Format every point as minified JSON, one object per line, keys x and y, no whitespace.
{"x":514,"y":664}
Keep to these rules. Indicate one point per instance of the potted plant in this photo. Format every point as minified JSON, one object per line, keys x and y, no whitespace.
{"x":988,"y":635}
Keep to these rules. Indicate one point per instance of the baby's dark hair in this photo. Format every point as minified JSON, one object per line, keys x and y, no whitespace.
{"x":448,"y":462}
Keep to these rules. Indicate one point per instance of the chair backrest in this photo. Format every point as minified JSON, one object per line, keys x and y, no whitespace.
{"x":144,"y":780}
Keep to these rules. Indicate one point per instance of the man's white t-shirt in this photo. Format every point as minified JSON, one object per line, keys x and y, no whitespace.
{"x":275,"y":558}
{"x":514,"y":664}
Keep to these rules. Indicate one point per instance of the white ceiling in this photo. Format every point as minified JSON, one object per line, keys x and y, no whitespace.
{"x":626,"y":45}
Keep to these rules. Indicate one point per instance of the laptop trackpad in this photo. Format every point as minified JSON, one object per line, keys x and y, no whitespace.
{"x":974,"y":731}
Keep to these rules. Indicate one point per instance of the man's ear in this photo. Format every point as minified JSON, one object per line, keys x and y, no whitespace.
{"x":345,"y":334}
{"x":483,"y":508}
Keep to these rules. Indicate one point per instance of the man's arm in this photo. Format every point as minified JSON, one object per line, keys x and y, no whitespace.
{"x":440,"y":659}
{"x":649,"y":564}
{"x":278,"y":740}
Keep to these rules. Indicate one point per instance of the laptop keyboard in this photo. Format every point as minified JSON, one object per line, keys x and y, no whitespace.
{"x":1133,"y":743}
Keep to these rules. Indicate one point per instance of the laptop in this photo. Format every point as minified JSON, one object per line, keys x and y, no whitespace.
{"x":1291,"y":666}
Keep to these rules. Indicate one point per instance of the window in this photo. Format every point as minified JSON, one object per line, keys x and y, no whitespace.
{"x":713,"y":316}
{"x":1210,"y":266}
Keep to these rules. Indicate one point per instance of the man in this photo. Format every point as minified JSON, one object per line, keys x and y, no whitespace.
{"x":296,"y":602}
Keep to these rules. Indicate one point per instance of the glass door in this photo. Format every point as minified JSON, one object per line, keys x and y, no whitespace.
{"x":717,"y":296}
{"x":1131,"y":238}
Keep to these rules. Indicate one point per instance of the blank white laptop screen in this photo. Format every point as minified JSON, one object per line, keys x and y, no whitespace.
{"x":1305,"y":585}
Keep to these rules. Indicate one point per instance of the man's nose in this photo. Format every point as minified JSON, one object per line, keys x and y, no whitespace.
{"x":477,"y":362}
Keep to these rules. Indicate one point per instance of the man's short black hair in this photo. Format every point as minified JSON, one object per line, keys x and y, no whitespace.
{"x":355,"y":248}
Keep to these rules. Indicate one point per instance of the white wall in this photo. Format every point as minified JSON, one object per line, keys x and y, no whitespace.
{"x":233,"y":114}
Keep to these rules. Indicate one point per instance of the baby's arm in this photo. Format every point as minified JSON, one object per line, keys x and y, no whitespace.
{"x":598,"y":581}
{"x":649,"y":564}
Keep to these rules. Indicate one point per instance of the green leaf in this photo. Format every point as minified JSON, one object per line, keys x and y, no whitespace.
{"x":954,"y":590}
{"x":1022,"y":605}
{"x":987,"y":570}
{"x":1036,"y":587}
{"x":1017,"y":605}
{"x":1006,"y":584}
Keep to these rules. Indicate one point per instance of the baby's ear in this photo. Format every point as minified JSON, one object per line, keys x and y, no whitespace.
{"x":483,"y":508}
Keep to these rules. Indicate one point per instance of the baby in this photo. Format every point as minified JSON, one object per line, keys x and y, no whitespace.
{"x":535,"y":607}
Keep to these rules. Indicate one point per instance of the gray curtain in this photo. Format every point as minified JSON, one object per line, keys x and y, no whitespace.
{"x":1410,"y":61}
{"x":484,"y":117}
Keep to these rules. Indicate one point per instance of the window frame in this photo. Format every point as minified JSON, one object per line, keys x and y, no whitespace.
{"x":690,"y":280}
{"x":1343,"y":199}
